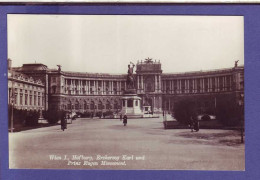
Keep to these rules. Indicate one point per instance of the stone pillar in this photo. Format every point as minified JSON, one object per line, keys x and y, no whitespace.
{"x":218,"y":84}
{"x":142,"y":83}
{"x":112,"y":86}
{"x":155,"y":79}
{"x":160,"y":81}
{"x":137,"y":88}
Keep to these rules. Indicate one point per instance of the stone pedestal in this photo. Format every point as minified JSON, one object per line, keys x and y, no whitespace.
{"x":131,"y":106}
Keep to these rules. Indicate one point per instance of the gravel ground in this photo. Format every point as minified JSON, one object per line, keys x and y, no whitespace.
{"x":142,"y":144}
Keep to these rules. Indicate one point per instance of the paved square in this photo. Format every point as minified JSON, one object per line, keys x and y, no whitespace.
{"x":144,"y":142}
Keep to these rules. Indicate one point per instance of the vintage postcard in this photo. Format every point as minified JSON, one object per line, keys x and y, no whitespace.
{"x":126,"y":92}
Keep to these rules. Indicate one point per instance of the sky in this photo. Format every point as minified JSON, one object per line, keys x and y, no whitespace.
{"x":107,"y":43}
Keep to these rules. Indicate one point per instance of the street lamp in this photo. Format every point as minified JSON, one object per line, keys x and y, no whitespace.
{"x":241,"y":105}
{"x":12,"y":102}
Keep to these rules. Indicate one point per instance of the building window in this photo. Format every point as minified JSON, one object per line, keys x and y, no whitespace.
{"x":15,"y":99}
{"x":115,"y":105}
{"x":34,"y":100}
{"x":26,"y":99}
{"x":77,"y":105}
{"x":92,"y":105}
{"x":100,"y":105}
{"x":190,"y":85}
{"x":30,"y":99}
{"x":43,"y":101}
{"x":108,"y":105}
{"x":39,"y":100}
{"x":53,"y":89}
{"x":69,"y":106}
{"x":21,"y":99}
{"x":205,"y":84}
{"x":221,"y":83}
{"x":198,"y":85}
{"x":85,"y":106}
{"x":213,"y":84}
{"x":182,"y":86}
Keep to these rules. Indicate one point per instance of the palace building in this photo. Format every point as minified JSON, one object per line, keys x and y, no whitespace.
{"x":38,"y":87}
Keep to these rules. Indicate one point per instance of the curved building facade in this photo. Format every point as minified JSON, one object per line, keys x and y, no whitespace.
{"x":80,"y":92}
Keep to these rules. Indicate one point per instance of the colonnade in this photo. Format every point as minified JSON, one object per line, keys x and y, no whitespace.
{"x":197,"y":85}
{"x":93,"y":87}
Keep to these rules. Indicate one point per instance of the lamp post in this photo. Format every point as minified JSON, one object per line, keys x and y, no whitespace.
{"x":241,"y":105}
{"x":12,"y":102}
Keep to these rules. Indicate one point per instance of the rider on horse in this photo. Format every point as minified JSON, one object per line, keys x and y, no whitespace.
{"x":130,"y":77}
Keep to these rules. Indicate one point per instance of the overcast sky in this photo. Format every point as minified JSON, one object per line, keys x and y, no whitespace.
{"x":106,"y":44}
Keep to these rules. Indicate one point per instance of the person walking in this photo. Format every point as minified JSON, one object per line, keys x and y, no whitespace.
{"x":191,"y":123}
{"x":196,"y":124}
{"x":63,"y":121}
{"x":125,"y":120}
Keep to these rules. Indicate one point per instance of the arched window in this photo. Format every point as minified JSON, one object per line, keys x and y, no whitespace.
{"x":92,"y":105}
{"x":85,"y":105}
{"x":115,"y":105}
{"x":108,"y":105}
{"x":100,"y":105}
{"x":77,"y":105}
{"x":53,"y":89}
{"x":69,"y":106}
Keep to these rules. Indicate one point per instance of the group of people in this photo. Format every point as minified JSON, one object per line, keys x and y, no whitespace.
{"x":194,"y":123}
{"x":124,"y":119}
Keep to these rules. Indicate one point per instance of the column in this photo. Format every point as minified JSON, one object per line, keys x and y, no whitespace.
{"x":177,"y":86}
{"x":119,"y":87}
{"x":209,"y":84}
{"x":159,"y":84}
{"x":88,"y":86}
{"x":154,"y":104}
{"x":173,"y":86}
{"x":225,"y":77}
{"x":155,"y":78}
{"x":112,"y":86}
{"x":137,"y":83}
{"x":142,"y":83}
{"x":218,"y":83}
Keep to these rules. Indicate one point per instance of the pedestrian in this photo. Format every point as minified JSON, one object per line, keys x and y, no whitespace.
{"x":63,"y":121}
{"x":125,"y":120}
{"x":191,"y":123}
{"x":121,"y":117}
{"x":196,"y":124}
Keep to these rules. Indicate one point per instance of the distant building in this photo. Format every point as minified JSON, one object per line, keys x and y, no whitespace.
{"x":80,"y":92}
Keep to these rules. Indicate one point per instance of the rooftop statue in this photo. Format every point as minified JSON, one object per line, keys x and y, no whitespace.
{"x":59,"y":68}
{"x":149,"y":60}
{"x":236,"y":62}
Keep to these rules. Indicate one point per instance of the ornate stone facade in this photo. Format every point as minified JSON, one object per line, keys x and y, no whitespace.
{"x":25,"y":92}
{"x":80,"y":92}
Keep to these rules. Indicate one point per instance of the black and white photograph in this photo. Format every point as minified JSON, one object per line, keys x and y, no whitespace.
{"x":126,"y":92}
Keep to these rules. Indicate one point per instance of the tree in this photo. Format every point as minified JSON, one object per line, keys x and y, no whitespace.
{"x":53,"y":116}
{"x":228,"y":112}
{"x":184,"y":110}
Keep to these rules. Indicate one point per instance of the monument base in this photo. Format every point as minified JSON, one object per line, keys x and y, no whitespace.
{"x":131,"y":106}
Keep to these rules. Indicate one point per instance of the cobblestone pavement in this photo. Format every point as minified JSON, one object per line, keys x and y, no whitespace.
{"x":142,"y":144}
